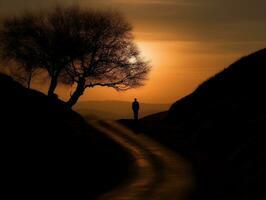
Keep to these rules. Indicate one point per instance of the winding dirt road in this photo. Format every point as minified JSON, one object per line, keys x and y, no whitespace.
{"x":158,"y":173}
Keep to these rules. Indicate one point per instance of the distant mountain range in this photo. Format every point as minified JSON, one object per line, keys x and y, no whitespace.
{"x":116,"y":109}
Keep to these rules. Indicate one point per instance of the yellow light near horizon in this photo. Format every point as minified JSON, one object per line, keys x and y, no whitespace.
{"x":178,"y":67}
{"x":145,"y":50}
{"x":163,"y":55}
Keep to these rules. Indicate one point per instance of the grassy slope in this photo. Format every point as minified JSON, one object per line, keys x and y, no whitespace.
{"x":48,"y":151}
{"x":221,"y":127}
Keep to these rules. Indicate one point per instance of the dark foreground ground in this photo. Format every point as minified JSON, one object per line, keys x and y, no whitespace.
{"x":49,"y":151}
{"x":237,"y":178}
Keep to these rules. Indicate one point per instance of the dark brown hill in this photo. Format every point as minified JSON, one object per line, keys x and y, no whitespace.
{"x":221,"y":126}
{"x":224,"y":120}
{"x":49,"y":152}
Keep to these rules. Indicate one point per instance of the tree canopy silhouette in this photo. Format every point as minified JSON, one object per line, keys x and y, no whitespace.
{"x":86,"y":48}
{"x":106,"y":56}
{"x":16,"y":50}
{"x":37,"y":40}
{"x":24,"y":74}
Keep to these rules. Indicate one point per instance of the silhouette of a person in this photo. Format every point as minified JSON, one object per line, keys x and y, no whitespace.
{"x":135,"y":108}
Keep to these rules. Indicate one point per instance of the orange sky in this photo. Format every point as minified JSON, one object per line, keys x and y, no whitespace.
{"x":186,"y":41}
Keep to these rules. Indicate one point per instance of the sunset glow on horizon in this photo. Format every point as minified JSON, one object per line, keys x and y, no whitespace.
{"x":186,"y":42}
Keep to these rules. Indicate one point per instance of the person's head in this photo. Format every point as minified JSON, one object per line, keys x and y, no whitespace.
{"x":135,"y":99}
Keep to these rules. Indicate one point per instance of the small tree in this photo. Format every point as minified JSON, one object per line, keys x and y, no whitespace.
{"x":38,"y":41}
{"x":16,"y":53}
{"x":23,"y":74}
{"x":107,"y":55}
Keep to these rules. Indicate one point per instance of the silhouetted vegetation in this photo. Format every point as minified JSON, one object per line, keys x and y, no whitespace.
{"x":26,"y":75}
{"x":107,"y":57}
{"x":86,"y":48}
{"x":221,"y":128}
{"x":49,"y":150}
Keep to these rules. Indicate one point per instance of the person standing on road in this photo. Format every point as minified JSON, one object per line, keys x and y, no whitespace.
{"x":135,"y":108}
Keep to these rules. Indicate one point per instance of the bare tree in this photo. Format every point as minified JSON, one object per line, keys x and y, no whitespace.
{"x":38,"y":41}
{"x":82,"y":47}
{"x":107,"y":55}
{"x":16,"y":53}
{"x":24,"y":75}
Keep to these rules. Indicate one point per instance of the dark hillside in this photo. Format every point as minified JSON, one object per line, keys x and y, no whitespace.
{"x":243,"y":81}
{"x":224,"y":120}
{"x":48,"y":151}
{"x":221,"y":126}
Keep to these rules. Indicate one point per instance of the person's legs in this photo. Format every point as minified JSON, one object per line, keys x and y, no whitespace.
{"x":136,"y":116}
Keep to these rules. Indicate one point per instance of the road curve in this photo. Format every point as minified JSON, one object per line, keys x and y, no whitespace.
{"x":158,"y":173}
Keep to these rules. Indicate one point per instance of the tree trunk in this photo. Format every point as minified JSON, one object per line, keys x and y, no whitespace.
{"x":78,"y":92}
{"x":52,"y":86}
